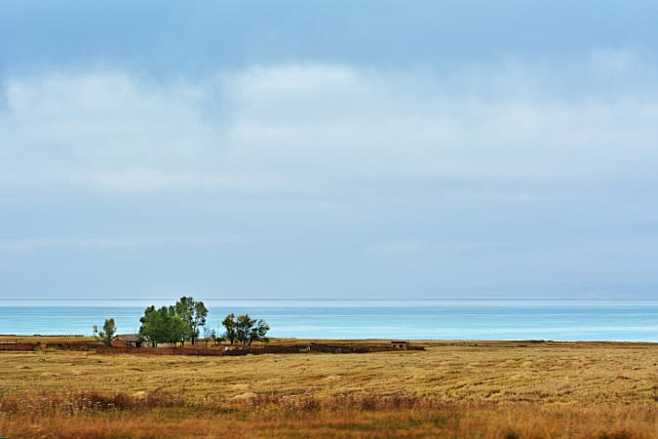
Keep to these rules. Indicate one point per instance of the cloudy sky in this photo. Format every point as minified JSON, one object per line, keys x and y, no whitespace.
{"x":328,"y":149}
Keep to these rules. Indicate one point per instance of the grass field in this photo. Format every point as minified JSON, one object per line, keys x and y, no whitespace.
{"x":456,"y":390}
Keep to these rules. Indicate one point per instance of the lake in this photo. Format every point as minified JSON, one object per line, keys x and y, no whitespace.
{"x":450,"y":319}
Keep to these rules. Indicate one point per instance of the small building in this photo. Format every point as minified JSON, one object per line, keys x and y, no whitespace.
{"x":127,"y":341}
{"x":400,"y":344}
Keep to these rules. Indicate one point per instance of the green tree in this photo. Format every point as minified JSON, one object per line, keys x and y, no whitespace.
{"x":162,"y":325}
{"x":194,"y":314}
{"x":230,"y":325}
{"x":107,"y":334}
{"x":248,"y":330}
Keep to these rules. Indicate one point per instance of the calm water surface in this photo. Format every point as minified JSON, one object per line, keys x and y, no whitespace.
{"x":511,"y":320}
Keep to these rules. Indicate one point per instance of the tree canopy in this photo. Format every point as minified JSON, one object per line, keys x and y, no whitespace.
{"x":244,"y":329}
{"x":162,"y":325}
{"x":229,"y":324}
{"x":184,"y":320}
{"x":194,"y":314}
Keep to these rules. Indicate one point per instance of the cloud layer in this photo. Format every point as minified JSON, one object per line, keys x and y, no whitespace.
{"x":505,"y":179}
{"x":296,"y":126}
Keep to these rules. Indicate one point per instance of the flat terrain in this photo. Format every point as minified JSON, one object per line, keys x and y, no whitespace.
{"x":500,"y":387}
{"x":547,"y":373}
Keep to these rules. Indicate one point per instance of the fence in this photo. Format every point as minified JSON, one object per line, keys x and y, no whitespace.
{"x":255,"y":350}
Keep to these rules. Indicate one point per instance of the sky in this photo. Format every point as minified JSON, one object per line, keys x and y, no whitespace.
{"x":322,"y":150}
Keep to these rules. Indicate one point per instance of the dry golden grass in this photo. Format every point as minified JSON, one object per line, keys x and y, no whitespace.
{"x":477,"y":423}
{"x":481,"y":390}
{"x":503,"y":372}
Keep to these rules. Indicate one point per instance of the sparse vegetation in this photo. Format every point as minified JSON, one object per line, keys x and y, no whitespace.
{"x":95,"y":416}
{"x":106,"y":335}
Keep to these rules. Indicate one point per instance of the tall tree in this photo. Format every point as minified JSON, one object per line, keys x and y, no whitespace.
{"x":194,"y":314}
{"x":107,"y":334}
{"x":230,"y":324}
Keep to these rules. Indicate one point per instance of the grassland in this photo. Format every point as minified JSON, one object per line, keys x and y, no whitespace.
{"x":453,"y":390}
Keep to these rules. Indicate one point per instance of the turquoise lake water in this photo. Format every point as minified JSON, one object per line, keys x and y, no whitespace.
{"x":508,"y":320}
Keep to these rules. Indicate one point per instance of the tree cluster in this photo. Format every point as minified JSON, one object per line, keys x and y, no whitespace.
{"x":183,"y":322}
{"x":244,"y":330}
{"x":173,"y":324}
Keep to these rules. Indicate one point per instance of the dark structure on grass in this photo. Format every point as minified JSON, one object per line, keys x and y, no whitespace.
{"x":400,"y":344}
{"x":127,"y":341}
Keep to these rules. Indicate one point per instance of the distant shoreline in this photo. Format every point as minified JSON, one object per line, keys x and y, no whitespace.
{"x":437,"y":320}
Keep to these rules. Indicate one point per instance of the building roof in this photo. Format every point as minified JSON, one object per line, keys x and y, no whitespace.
{"x":127,"y":337}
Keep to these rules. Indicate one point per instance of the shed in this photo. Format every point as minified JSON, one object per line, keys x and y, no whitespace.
{"x":127,"y":341}
{"x":400,"y":344}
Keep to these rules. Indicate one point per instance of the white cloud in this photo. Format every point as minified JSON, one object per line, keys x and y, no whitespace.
{"x":28,"y":245}
{"x":510,"y":175}
{"x":395,"y":249}
{"x":148,"y":180}
{"x":310,"y":127}
{"x":376,"y":125}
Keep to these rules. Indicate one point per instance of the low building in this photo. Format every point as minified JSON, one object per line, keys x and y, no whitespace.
{"x":400,"y":344}
{"x":127,"y":341}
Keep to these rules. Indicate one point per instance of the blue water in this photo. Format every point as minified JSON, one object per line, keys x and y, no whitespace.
{"x":505,"y":320}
